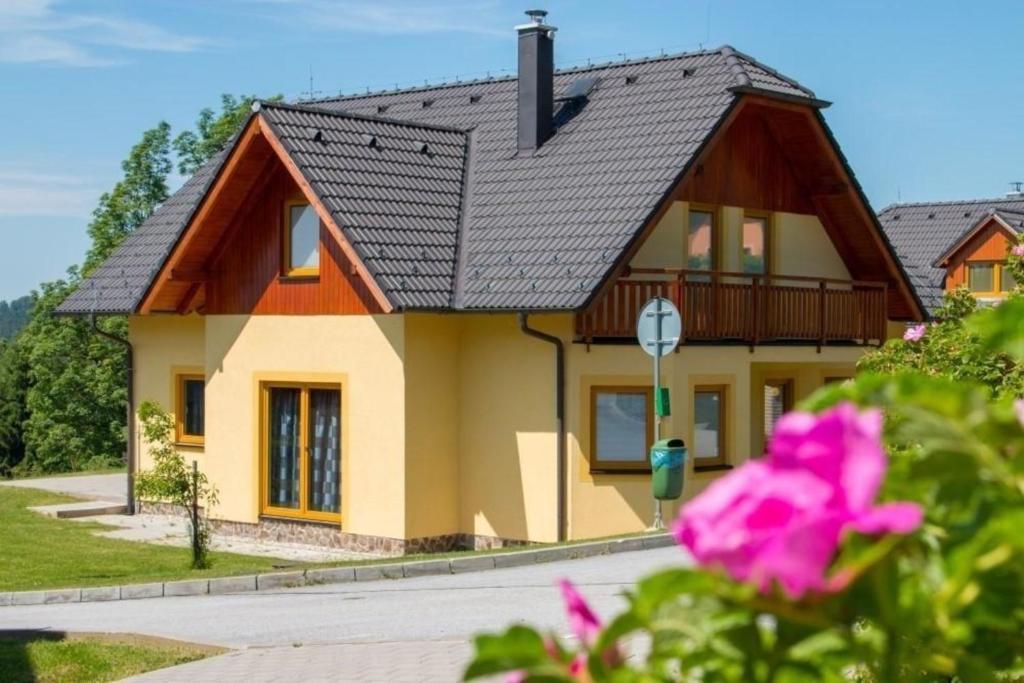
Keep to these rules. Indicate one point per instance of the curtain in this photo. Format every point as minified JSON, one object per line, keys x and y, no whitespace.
{"x":284,"y":447}
{"x":324,"y":450}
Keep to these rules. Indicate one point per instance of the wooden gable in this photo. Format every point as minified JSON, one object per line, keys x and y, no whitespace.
{"x":773,"y":155}
{"x":989,"y":242}
{"x":230,"y":257}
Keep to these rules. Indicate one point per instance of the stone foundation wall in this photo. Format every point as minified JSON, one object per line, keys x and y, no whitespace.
{"x":330,"y":536}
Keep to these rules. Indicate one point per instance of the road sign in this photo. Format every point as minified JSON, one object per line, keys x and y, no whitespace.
{"x":658,"y":327}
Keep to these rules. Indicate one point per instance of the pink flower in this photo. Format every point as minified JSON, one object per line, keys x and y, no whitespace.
{"x":1018,"y":250}
{"x":517,"y":676}
{"x":582,"y":620}
{"x":781,"y":519}
{"x":1018,"y":407}
{"x":915,"y":333}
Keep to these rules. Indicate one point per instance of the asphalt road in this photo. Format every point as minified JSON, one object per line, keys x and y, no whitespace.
{"x":412,"y":629}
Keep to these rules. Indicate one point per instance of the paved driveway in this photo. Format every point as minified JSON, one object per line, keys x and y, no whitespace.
{"x":408,"y":630}
{"x":108,"y":487}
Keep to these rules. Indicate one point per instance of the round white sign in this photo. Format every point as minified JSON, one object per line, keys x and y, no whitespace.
{"x":659,"y":327}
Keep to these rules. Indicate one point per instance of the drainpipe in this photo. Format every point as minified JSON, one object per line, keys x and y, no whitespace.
{"x":130,"y":352}
{"x":559,"y":413}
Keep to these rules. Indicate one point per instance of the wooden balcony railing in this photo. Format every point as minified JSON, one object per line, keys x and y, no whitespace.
{"x":726,"y":306}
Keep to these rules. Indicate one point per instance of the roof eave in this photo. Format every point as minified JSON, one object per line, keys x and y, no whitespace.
{"x":781,"y":96}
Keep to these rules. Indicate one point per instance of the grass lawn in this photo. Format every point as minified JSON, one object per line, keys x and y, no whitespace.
{"x":43,"y":552}
{"x":85,"y":658}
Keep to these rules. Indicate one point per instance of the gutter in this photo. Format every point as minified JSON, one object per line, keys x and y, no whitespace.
{"x":562,"y":458}
{"x":130,"y":424}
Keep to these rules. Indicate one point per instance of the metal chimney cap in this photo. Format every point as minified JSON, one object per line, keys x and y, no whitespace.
{"x":537,"y":17}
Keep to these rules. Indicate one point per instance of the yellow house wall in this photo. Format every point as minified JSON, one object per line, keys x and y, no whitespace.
{"x":164,"y":346}
{"x":432,"y":404}
{"x":507,"y":433}
{"x":362,"y":353}
{"x":799,"y":244}
{"x":604,"y":504}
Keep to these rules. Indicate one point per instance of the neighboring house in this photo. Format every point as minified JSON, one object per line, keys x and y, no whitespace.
{"x":956,"y":244}
{"x":404,"y":320}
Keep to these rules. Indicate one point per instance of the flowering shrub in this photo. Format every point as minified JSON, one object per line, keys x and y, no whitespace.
{"x":829,"y":560}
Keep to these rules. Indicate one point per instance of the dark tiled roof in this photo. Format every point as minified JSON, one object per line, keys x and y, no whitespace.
{"x":120,"y":282}
{"x":516,"y":231}
{"x":394,"y":189}
{"x":922,"y":232}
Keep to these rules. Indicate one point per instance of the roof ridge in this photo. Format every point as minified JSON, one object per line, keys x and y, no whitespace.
{"x":499,"y":79}
{"x":743,"y":56}
{"x":732,"y":61}
{"x":949,"y":202}
{"x":345,"y":114}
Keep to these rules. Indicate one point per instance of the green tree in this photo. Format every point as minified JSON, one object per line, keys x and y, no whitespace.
{"x":13,"y":387}
{"x":13,"y":316}
{"x":142,"y":189}
{"x":212,"y":133}
{"x":76,"y":398}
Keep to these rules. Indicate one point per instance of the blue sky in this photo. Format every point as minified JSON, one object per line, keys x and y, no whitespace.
{"x":928,"y":96}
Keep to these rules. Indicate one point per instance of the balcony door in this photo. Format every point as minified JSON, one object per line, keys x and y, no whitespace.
{"x":301,"y":458}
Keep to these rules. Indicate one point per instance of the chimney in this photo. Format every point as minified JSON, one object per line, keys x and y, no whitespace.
{"x":536,"y":80}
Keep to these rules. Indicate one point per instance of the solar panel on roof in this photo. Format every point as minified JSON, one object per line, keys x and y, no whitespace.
{"x":580,"y":88}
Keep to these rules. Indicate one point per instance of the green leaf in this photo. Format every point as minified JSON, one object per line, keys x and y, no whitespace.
{"x":520,"y":647}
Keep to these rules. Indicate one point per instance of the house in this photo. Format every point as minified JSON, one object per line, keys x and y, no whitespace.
{"x":957,"y":244}
{"x":404,"y":320}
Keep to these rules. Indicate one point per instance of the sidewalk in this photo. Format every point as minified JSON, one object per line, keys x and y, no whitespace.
{"x":107,"y":487}
{"x":395,"y":662}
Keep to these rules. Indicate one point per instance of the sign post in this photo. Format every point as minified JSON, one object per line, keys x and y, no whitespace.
{"x":658,"y":329}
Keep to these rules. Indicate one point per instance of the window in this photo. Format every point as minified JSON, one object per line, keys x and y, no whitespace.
{"x":190,"y":409}
{"x":778,"y":400}
{"x":301,"y":453}
{"x":700,"y":242}
{"x":755,"y":244}
{"x":981,"y":277}
{"x":301,"y":240}
{"x":1006,"y":281}
{"x":622,"y":428}
{"x":708,"y":447}
{"x":990,"y":278}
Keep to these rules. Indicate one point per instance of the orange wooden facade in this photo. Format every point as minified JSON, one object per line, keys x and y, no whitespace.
{"x":990,"y":244}
{"x":246,"y":276}
{"x":230,"y":260}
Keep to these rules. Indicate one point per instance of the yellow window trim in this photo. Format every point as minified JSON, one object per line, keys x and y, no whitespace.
{"x":302,"y":512}
{"x":716,"y":231}
{"x":180,"y":436}
{"x":722,"y":390}
{"x":620,"y":466}
{"x":997,"y":278}
{"x":286,"y":243}
{"x":769,"y":229}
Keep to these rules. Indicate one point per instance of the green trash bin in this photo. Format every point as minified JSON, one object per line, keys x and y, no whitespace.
{"x":668,"y":462}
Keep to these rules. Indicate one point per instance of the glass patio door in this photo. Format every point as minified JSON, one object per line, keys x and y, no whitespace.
{"x":302,"y":451}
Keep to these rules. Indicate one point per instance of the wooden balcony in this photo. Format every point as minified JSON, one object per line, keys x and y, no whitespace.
{"x":719,"y":306}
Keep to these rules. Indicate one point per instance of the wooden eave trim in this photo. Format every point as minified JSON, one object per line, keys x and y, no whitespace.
{"x":360,"y":268}
{"x":255,"y":128}
{"x":242,"y":145}
{"x":982,"y":224}
{"x":848,"y":187}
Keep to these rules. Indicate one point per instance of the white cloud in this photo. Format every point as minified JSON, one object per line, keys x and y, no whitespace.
{"x":39,"y":31}
{"x":391,"y":17}
{"x":29,"y":193}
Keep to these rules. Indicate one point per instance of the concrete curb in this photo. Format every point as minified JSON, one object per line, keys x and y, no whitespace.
{"x":328,"y":575}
